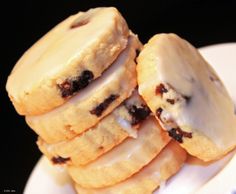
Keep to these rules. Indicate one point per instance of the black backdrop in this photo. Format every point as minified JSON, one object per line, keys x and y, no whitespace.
{"x":22,"y":23}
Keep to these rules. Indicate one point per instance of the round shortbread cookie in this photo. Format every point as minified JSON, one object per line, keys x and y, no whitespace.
{"x":97,"y":100}
{"x":66,"y":60}
{"x":187,"y":96}
{"x":166,"y":164}
{"x":109,"y":132}
{"x":124,"y":160}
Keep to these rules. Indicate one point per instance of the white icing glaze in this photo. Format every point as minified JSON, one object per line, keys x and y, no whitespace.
{"x":162,"y":186}
{"x":81,"y":103}
{"x":131,"y":149}
{"x":125,"y":120}
{"x":62,"y":56}
{"x":210,"y":110}
{"x":59,"y":44}
{"x":127,"y":127}
{"x":60,"y":168}
{"x":49,"y":147}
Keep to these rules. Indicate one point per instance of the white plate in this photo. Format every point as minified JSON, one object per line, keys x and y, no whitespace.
{"x":215,"y":178}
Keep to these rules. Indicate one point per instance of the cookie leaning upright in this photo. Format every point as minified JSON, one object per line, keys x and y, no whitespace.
{"x":187,"y":96}
{"x":66,"y":60}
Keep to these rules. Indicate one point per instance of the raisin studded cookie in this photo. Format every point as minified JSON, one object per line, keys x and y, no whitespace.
{"x":163,"y":166}
{"x":123,"y":122}
{"x":124,"y":160}
{"x":87,"y":108}
{"x":187,"y":96}
{"x":66,"y":60}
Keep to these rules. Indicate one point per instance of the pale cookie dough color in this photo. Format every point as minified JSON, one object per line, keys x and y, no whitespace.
{"x":87,"y":108}
{"x":120,"y":124}
{"x":66,"y":60}
{"x":166,"y":164}
{"x":124,"y":160}
{"x":187,"y":96}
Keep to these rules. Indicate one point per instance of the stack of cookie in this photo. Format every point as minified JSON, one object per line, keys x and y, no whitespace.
{"x":77,"y":88}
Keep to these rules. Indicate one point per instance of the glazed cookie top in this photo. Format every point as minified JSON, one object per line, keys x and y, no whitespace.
{"x":66,"y":59}
{"x":93,"y":103}
{"x":191,"y":94}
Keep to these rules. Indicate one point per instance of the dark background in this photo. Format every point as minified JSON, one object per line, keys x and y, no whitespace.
{"x":22,"y":23}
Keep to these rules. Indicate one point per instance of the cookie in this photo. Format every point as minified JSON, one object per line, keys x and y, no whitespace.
{"x":124,"y":160}
{"x":166,"y":164}
{"x":123,"y":122}
{"x":66,"y":60}
{"x":187,"y":96}
{"x":87,"y":108}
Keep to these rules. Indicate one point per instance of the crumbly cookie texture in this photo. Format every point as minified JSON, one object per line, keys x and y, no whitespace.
{"x":124,"y":160}
{"x":66,"y":60}
{"x":166,"y":164}
{"x":108,"y":133}
{"x":187,"y":96}
{"x":87,"y":108}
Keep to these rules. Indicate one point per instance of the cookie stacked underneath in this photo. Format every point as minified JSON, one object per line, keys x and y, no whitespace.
{"x":77,"y":89}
